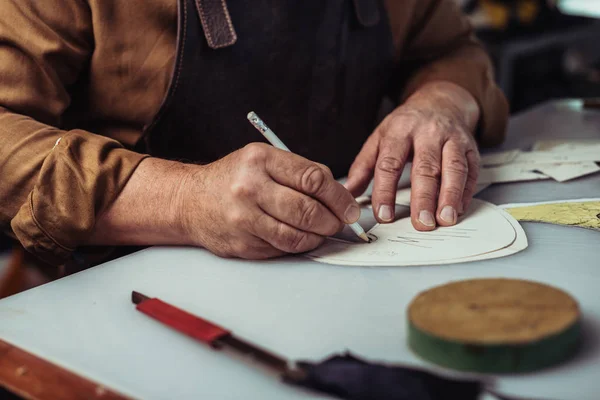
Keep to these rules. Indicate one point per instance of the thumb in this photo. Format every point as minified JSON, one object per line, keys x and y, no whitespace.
{"x":363,"y":167}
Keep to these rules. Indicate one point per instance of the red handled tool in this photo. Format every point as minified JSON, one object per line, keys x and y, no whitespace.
{"x":206,"y":331}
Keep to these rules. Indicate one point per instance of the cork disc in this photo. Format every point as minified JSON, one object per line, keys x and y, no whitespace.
{"x":494,"y":325}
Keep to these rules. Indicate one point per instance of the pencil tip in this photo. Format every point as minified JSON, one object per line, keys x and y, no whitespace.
{"x":364,"y":237}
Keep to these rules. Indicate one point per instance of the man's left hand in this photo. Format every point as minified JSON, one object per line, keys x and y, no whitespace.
{"x":435,"y":127}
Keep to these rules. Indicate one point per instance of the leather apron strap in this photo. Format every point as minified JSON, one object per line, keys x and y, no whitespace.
{"x":216,"y":23}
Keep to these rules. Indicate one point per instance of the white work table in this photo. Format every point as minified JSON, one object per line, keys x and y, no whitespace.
{"x":299,"y":308}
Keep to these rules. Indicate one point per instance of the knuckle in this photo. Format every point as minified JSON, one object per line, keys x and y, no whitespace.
{"x":313,"y":179}
{"x":389,"y":164}
{"x":401,"y":120}
{"x":309,"y":214}
{"x":457,"y":165}
{"x":462,"y":140}
{"x":392,"y":121}
{"x":294,"y":241}
{"x":326,"y":169}
{"x":237,"y":218}
{"x":433,"y":126}
{"x":255,"y":153}
{"x":242,"y":188}
{"x":428,"y":166}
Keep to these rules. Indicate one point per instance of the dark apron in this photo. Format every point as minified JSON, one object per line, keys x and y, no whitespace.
{"x":314,"y":71}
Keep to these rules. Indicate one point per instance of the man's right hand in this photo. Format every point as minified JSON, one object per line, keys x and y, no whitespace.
{"x":261,"y":202}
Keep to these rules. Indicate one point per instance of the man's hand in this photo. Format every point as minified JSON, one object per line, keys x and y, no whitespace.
{"x":257,"y":202}
{"x":261,"y":202}
{"x":435,"y":126}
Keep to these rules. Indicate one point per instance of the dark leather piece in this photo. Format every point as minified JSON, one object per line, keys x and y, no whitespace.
{"x":367,"y":12}
{"x":348,"y":377}
{"x":216,"y":22}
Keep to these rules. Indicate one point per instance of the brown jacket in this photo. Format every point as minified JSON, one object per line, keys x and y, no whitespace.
{"x":94,"y":73}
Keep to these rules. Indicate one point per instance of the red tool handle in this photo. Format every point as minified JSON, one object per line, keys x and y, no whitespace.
{"x":182,"y":321}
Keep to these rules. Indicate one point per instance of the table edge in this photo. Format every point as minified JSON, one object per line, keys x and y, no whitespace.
{"x":32,"y":377}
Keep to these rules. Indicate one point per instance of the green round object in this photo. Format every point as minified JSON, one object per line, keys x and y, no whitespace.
{"x":494,"y":325}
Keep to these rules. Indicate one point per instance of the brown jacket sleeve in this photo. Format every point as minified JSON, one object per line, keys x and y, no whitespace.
{"x":440,"y":45}
{"x":50,"y":189}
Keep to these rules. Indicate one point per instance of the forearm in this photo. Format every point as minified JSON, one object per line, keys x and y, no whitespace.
{"x":148,"y":209}
{"x":51,"y":189}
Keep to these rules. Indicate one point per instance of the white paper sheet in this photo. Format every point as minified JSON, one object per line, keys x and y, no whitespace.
{"x":563,"y":172}
{"x":559,"y":145}
{"x":508,"y":173}
{"x":550,"y":157}
{"x":559,"y":159}
{"x":485,"y":231}
{"x":500,"y":158}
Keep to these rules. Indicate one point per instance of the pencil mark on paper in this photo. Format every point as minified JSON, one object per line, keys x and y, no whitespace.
{"x":419,"y":239}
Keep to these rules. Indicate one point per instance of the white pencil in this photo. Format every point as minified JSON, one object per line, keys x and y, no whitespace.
{"x":276,"y":142}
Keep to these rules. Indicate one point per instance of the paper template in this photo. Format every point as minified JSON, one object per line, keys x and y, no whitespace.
{"x":485,"y":231}
{"x":558,"y":159}
{"x":583,"y":213}
{"x":518,"y":245}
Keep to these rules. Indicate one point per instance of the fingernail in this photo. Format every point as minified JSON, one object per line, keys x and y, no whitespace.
{"x":385,"y":213}
{"x":352,"y":214}
{"x":426,"y":218}
{"x":448,"y":214}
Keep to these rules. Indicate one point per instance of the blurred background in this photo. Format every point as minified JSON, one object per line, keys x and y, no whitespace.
{"x":541,"y":49}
